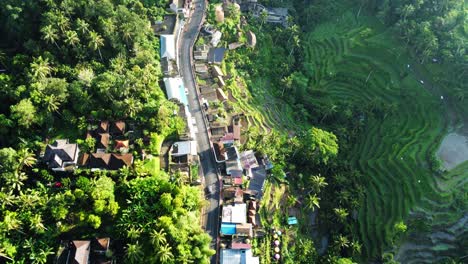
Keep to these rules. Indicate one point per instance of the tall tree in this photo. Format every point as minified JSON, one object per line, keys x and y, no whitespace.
{"x":40,"y":68}
{"x":164,"y":254}
{"x":96,"y":42}
{"x":50,"y":35}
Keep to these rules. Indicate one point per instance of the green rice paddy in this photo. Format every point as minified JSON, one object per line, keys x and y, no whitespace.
{"x":356,"y":60}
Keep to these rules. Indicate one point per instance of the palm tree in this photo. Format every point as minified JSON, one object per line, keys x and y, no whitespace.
{"x":15,"y":179}
{"x":36,"y":224}
{"x":329,"y":111}
{"x":134,"y":253}
{"x":164,"y":254}
{"x":312,"y":202}
{"x":341,"y":214}
{"x":52,"y":103}
{"x":62,"y":21}
{"x":49,"y":34}
{"x":133,"y":233}
{"x":263,"y":18}
{"x":158,"y":238}
{"x":82,"y":26}
{"x":127,"y":32}
{"x":41,"y":256}
{"x":318,"y":182}
{"x":71,"y":38}
{"x":25,"y":158}
{"x":342,"y":241}
{"x":40,"y":68}
{"x":356,"y":247}
{"x":8,"y":199}
{"x":11,"y":221}
{"x":96,"y":42}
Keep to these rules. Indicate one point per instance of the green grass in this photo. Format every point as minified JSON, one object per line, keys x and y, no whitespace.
{"x":357,"y":61}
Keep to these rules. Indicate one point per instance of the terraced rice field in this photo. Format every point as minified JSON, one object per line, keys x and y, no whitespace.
{"x":357,"y":60}
{"x":445,"y":218}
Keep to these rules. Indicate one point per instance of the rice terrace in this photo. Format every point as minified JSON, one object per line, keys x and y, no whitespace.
{"x":357,"y":61}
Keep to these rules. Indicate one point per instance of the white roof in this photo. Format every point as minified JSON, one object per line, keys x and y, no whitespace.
{"x":168,"y":47}
{"x":236,"y":214}
{"x":175,"y":89}
{"x":184,"y":148}
{"x":238,"y":256}
{"x":216,"y":38}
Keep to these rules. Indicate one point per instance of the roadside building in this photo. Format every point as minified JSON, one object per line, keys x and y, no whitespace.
{"x":216,"y":55}
{"x":216,"y":38}
{"x":216,"y":70}
{"x":257,"y":180}
{"x":175,"y":90}
{"x":238,"y":256}
{"x":248,"y":160}
{"x":168,"y":48}
{"x":201,"y":52}
{"x":201,"y":68}
{"x":236,"y":214}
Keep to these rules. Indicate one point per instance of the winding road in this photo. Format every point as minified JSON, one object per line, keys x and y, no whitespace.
{"x":208,"y":163}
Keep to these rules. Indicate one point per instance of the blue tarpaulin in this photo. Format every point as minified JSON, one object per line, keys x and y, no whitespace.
{"x":228,"y":229}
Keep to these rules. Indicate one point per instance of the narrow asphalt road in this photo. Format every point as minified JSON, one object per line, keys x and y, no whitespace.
{"x":208,"y":163}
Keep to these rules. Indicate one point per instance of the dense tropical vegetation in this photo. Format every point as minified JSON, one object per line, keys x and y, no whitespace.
{"x":64,"y":64}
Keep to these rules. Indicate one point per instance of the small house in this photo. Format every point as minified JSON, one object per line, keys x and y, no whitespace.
{"x":61,"y":155}
{"x":216,"y":55}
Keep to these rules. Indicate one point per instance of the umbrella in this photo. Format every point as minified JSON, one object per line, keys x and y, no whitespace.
{"x":277,"y":242}
{"x":277,"y":256}
{"x":275,"y":236}
{"x":277,"y":250}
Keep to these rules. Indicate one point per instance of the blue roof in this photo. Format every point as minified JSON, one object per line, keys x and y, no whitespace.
{"x":228,"y":229}
{"x":292,"y":220}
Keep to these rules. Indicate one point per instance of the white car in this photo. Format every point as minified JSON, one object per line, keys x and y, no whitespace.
{"x":421,"y":81}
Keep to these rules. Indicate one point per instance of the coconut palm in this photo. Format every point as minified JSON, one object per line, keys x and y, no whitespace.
{"x":133,"y":233}
{"x":134,"y":253}
{"x":15,"y":180}
{"x":329,"y":111}
{"x":50,"y":35}
{"x":8,"y":199}
{"x":40,"y":68}
{"x":342,"y":242}
{"x":312,"y":202}
{"x":341,"y":214}
{"x":62,"y":21}
{"x":318,"y":182}
{"x":36,"y":224}
{"x":96,"y":42}
{"x":41,"y":256}
{"x":71,"y":38}
{"x":82,"y":26}
{"x":11,"y":221}
{"x":158,"y":238}
{"x":164,"y":254}
{"x":52,"y":103}
{"x":356,"y":247}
